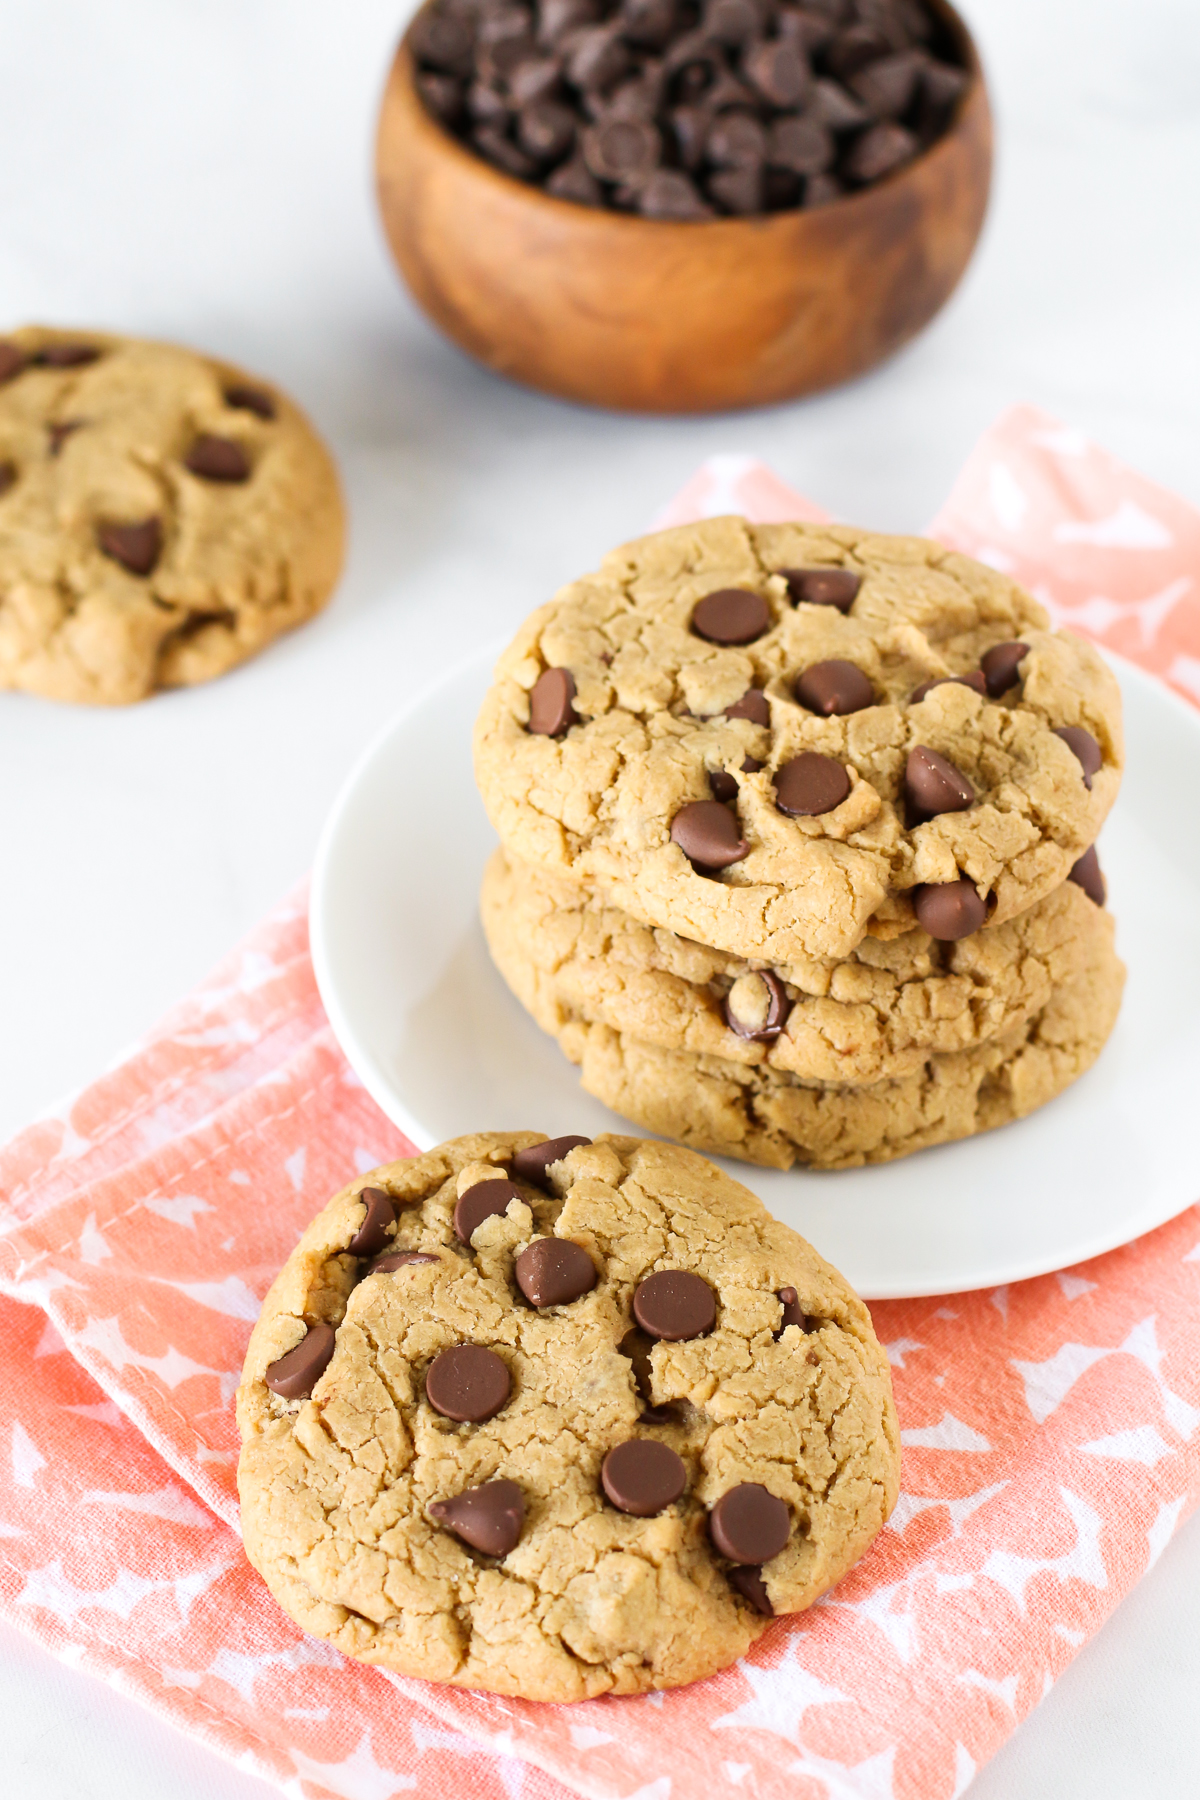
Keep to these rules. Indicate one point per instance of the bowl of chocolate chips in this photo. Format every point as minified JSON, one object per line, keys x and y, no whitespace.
{"x":683,"y":205}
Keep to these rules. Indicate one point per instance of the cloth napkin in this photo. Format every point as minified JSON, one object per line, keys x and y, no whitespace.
{"x":1051,"y":1430}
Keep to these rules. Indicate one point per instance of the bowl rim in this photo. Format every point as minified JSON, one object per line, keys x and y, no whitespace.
{"x":611,"y":218}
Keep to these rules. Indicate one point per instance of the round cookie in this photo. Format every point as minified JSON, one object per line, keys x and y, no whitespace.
{"x":873,"y":1016}
{"x":729,"y":729}
{"x":762,"y":1115}
{"x":163,"y":516}
{"x":436,"y":1472}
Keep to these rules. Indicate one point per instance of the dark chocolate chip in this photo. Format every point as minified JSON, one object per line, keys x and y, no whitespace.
{"x":60,"y":432}
{"x":942,"y":87}
{"x":887,"y":85}
{"x":1083,"y":747}
{"x":753,"y":706}
{"x":830,"y":104}
{"x":723,"y":784}
{"x":443,"y":39}
{"x":442,"y":94}
{"x":551,"y":708}
{"x":496,"y":62}
{"x":244,"y":398}
{"x":949,"y":910}
{"x":468,"y":1384}
{"x":489,"y":1518}
{"x":536,"y":78}
{"x":819,"y":190}
{"x":674,"y":1304}
{"x":731,"y":616}
{"x":533,"y":1163}
{"x":66,"y":356}
{"x":575,"y":181}
{"x":834,"y":687}
{"x":375,"y":1230}
{"x":1086,"y":874}
{"x":137,"y":547}
{"x":217,"y":459}
{"x":669,"y":194}
{"x":598,"y":58}
{"x":999,"y":666}
{"x":810,"y":784}
{"x":823,"y":587}
{"x":643,"y":1476}
{"x":503,"y":152}
{"x":775,"y":1016}
{"x":975,"y":680}
{"x":554,"y":1271}
{"x":400,"y":1259}
{"x":779,"y":70}
{"x":793,"y":1312}
{"x":739,"y":191}
{"x":637,"y":1347}
{"x":296,"y":1374}
{"x":878,"y":151}
{"x":12,"y":360}
{"x":487,"y":106}
{"x":854,"y":48}
{"x":750,"y":1585}
{"x":932,"y":785}
{"x":621,"y":150}
{"x":749,"y":1524}
{"x":546,"y":130}
{"x":486,"y":1200}
{"x":648,"y":23}
{"x":807,"y":148}
{"x":811,"y":29}
{"x":8,"y":475}
{"x":731,"y":22}
{"x":708,"y":834}
{"x":736,"y":140}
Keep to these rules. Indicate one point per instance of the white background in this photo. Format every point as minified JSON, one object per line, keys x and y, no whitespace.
{"x":199,"y":169}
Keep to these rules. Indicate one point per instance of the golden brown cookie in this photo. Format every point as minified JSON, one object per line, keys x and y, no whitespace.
{"x":558,"y":1421}
{"x":875,"y":1015}
{"x":731,"y":731}
{"x":163,"y":516}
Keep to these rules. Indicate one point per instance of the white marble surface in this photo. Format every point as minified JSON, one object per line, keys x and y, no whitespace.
{"x":199,"y":169}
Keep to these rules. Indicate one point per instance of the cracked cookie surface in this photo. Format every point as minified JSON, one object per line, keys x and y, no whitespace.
{"x":163,"y":516}
{"x":872,"y":1016}
{"x":352,"y":1491}
{"x":637,"y":728}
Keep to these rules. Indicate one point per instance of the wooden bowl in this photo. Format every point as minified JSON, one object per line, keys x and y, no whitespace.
{"x":663,"y":316}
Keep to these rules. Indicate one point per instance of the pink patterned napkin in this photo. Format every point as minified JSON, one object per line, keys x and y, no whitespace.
{"x":1051,"y":1430}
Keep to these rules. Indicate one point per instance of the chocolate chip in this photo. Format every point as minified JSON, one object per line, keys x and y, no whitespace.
{"x":878,"y":151}
{"x":503,"y":152}
{"x":831,"y":105}
{"x":949,"y":910}
{"x":12,"y":360}
{"x":648,"y":23}
{"x":444,"y":40}
{"x":489,"y":1518}
{"x":643,"y":1476}
{"x":375,"y":1230}
{"x":575,"y":181}
{"x":708,"y":834}
{"x":551,"y":709}
{"x":537,"y":78}
{"x":217,"y":459}
{"x":598,"y":58}
{"x":554,"y":1271}
{"x":400,"y":1259}
{"x":731,"y":616}
{"x":823,"y":587}
{"x":975,"y":680}
{"x":468,"y":1384}
{"x":834,"y":687}
{"x":497,"y":61}
{"x":739,"y":191}
{"x":674,"y":1305}
{"x":533,"y":1163}
{"x":932,"y":785}
{"x":852,"y":49}
{"x":486,"y":1200}
{"x":793,"y":1312}
{"x":670,"y":195}
{"x":1083,"y":747}
{"x":942,"y":87}
{"x":295,"y":1375}
{"x":66,"y":356}
{"x":819,"y":190}
{"x":442,"y":94}
{"x":753,"y":706}
{"x":887,"y":85}
{"x":637,"y":1347}
{"x":60,"y":432}
{"x":749,"y":1524}
{"x":757,"y":1006}
{"x":557,"y":17}
{"x":8,"y":475}
{"x":487,"y":106}
{"x":736,"y":141}
{"x":546,"y":130}
{"x":724,"y":786}
{"x":750,"y":1585}
{"x":807,"y":148}
{"x":244,"y":398}
{"x":621,"y":150}
{"x":780,"y":72}
{"x":1086,"y":874}
{"x":810,"y":784}
{"x":999,"y":666}
{"x":136,"y":547}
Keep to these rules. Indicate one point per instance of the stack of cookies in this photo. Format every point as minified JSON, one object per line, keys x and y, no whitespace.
{"x":797,"y":840}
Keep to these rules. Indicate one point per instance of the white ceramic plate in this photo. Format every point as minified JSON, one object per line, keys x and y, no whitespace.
{"x":443,"y":1047}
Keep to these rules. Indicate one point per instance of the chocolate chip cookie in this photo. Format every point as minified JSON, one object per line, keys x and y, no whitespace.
{"x":557,"y":1418}
{"x":163,"y":516}
{"x":781,"y":739}
{"x":874,"y":1016}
